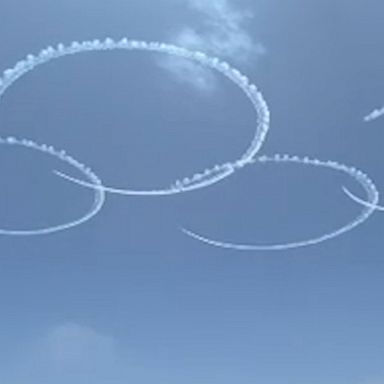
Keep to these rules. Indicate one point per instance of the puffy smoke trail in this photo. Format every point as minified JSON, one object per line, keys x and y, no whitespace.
{"x":98,"y":199}
{"x":210,"y":176}
{"x":197,"y":181}
{"x":368,"y":208}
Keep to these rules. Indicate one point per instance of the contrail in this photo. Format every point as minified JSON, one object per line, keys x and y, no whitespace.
{"x":198,"y":180}
{"x":368,"y":207}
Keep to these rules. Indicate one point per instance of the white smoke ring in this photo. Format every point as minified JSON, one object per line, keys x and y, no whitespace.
{"x":367,"y":209}
{"x":99,"y":194}
{"x":210,"y":176}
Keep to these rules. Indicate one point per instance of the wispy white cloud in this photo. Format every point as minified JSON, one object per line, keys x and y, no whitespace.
{"x":222,"y":32}
{"x":72,"y":346}
{"x":68,"y":352}
{"x":375,"y":114}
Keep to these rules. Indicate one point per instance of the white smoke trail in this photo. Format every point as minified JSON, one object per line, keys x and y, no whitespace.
{"x":197,"y":181}
{"x":99,"y":195}
{"x":368,"y":207}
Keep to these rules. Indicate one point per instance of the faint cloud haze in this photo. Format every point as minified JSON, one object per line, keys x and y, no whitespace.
{"x":66,"y":353}
{"x":374,"y":381}
{"x":72,"y":346}
{"x":222,"y":32}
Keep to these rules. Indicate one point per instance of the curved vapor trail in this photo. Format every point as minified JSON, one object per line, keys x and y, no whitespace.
{"x":198,"y":180}
{"x":99,"y":195}
{"x":209,"y":177}
{"x":361,"y":201}
{"x":367,"y":210}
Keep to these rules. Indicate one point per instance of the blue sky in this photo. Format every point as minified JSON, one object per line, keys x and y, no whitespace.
{"x":127,"y":296}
